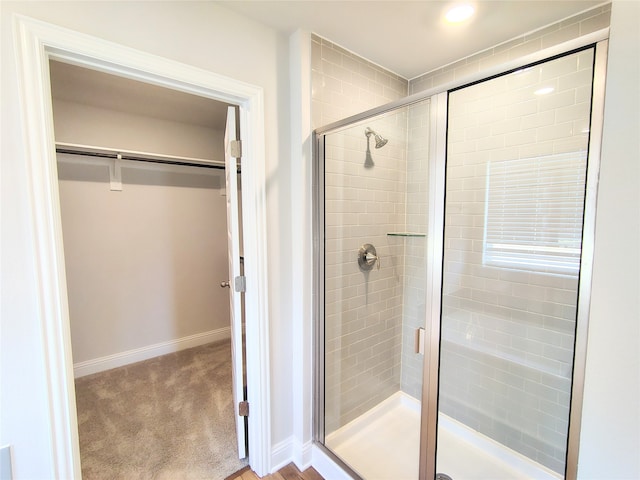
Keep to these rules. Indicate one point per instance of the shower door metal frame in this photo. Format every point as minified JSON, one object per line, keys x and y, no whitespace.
{"x":319,"y":254}
{"x":439,"y":97}
{"x":435,"y":247}
{"x":586,"y":258}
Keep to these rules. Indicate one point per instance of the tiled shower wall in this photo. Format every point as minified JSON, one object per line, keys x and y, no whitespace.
{"x":363,"y":309}
{"x":507,"y":333}
{"x":344,"y":84}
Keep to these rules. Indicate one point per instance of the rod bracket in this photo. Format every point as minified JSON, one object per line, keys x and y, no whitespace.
{"x":115,"y":174}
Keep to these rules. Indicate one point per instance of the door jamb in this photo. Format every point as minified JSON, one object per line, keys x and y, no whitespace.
{"x":37,"y":42}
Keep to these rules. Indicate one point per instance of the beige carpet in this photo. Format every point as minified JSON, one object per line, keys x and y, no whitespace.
{"x":169,"y":417}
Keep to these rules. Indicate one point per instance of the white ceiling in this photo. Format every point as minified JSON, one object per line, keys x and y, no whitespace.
{"x":90,"y":87}
{"x":406,"y":37}
{"x":409,"y":37}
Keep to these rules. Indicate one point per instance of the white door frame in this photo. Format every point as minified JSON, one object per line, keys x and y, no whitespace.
{"x":36,"y":43}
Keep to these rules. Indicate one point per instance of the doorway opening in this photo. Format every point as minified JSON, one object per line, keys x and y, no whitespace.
{"x":146,"y":254}
{"x":38,"y":43}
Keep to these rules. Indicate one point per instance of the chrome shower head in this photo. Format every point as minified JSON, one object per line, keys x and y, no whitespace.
{"x":380,"y":140}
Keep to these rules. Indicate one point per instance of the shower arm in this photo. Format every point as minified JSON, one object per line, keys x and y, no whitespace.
{"x":380,"y":140}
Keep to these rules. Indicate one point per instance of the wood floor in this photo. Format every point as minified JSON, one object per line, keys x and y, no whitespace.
{"x":290,"y":472}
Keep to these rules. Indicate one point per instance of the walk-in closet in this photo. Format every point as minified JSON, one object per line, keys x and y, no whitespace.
{"x":144,"y":202}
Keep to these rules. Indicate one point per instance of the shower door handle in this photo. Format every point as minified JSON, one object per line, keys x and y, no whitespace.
{"x":225,"y":284}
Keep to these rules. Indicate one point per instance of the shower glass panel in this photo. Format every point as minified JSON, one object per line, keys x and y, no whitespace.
{"x":375,"y":221}
{"x":515,"y":190}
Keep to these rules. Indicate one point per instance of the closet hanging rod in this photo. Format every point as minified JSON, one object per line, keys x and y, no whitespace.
{"x":76,"y":149}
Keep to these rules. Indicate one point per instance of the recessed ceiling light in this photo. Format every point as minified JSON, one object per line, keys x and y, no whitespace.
{"x":543,"y":91}
{"x":459,"y":13}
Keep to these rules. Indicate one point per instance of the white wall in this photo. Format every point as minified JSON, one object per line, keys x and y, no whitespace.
{"x":90,"y":125}
{"x":196,"y":33}
{"x":610,"y":439}
{"x":144,"y":264}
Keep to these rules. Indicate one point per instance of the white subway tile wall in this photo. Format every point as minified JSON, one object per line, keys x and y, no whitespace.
{"x":363,"y":311}
{"x":344,"y":84}
{"x":508,"y":331}
{"x":590,"y":21}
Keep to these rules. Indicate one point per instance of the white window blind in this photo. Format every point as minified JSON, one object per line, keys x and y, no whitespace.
{"x":534,"y":212}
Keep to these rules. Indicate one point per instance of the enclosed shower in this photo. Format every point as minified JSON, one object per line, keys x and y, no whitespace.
{"x":454,"y":232}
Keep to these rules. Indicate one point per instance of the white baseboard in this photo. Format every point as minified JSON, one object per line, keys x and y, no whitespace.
{"x":282,"y":454}
{"x":291,"y":450}
{"x":101,"y":364}
{"x":302,"y":454}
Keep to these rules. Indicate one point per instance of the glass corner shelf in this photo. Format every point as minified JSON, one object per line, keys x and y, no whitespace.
{"x":406,"y":234}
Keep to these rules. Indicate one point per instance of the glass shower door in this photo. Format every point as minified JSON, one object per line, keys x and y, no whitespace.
{"x":515,"y":191}
{"x":374,"y":180}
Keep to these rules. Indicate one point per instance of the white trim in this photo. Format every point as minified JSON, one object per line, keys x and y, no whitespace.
{"x":128,"y":357}
{"x":37,"y":42}
{"x":281,"y":454}
{"x":301,"y":246}
{"x":6,"y":462}
{"x":302,"y":454}
{"x":256,"y":255}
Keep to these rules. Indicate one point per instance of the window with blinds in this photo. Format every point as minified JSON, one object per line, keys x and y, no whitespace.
{"x":534,"y":212}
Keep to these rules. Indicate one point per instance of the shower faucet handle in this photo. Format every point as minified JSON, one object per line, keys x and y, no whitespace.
{"x":368,"y":257}
{"x":371,"y":258}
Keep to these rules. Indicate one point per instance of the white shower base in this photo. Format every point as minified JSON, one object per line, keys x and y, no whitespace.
{"x":384,"y":442}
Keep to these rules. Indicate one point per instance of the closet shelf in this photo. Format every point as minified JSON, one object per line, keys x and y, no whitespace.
{"x":91,"y":150}
{"x":406,"y":234}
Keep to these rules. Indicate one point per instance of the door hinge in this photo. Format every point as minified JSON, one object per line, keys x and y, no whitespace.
{"x":243,"y":409}
{"x":235,"y":148}
{"x":240,"y":284}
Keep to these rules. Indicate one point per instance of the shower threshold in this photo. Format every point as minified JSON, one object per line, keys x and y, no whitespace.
{"x":384,"y":443}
